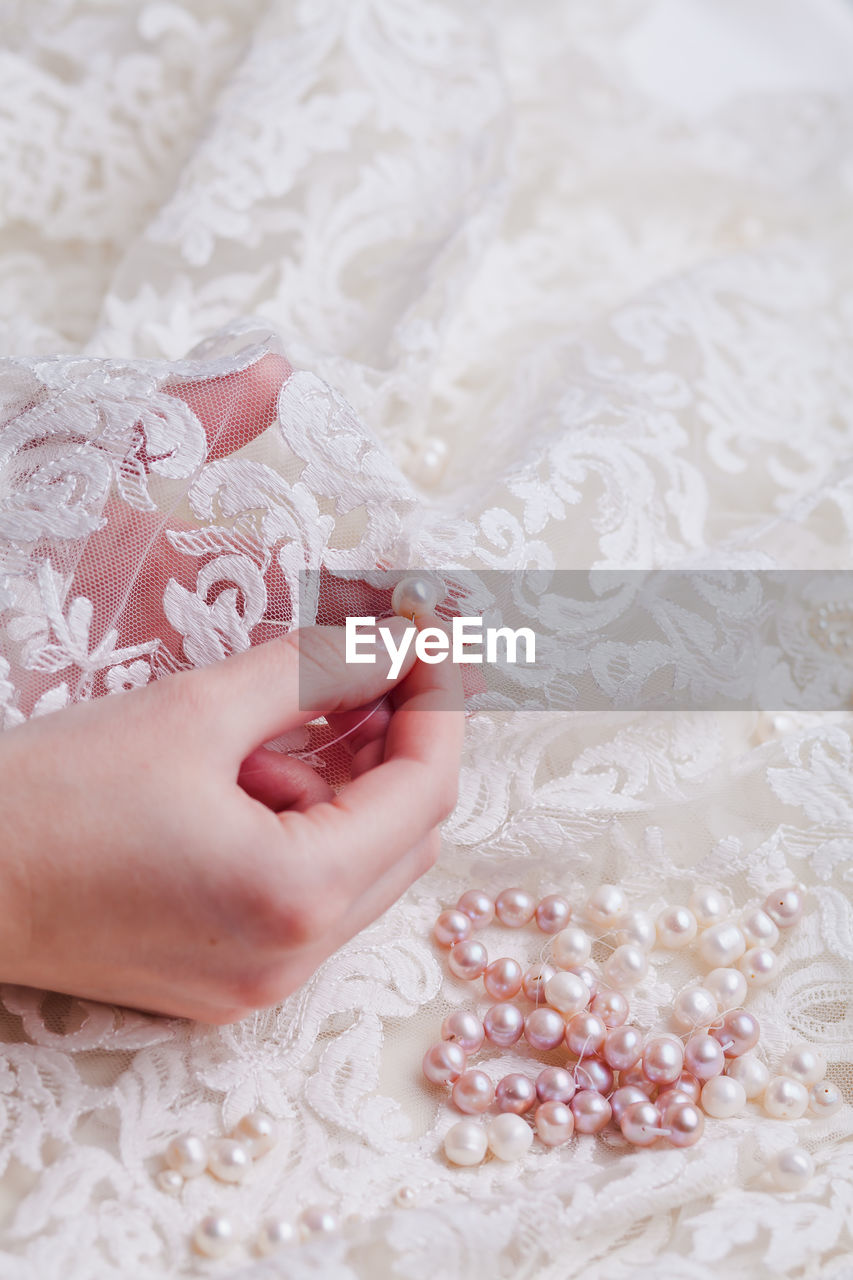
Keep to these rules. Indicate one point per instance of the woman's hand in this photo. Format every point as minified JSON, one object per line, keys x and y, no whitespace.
{"x":154,"y":854}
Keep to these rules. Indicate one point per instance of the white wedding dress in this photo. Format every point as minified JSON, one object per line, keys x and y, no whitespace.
{"x":564,"y":284}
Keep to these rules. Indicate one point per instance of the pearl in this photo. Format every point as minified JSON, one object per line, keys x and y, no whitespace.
{"x":478,"y":907}
{"x":791,"y":1169}
{"x":611,"y":1007}
{"x":473,"y":1092}
{"x":405,"y":1197}
{"x":466,"y":1143}
{"x":258,"y":1132}
{"x":555,"y":1084}
{"x":785,"y":906}
{"x":723,"y":1097}
{"x":606,"y":907}
{"x":414,"y":596}
{"x":502,"y":978}
{"x":623,"y":1047}
{"x":685,"y":1122}
{"x":688,"y":1085}
{"x":274,"y":1234}
{"x":588,"y":974}
{"x":468,"y":959}
{"x":515,"y":1093}
{"x":757,"y":927}
{"x":585,"y":1034}
{"x":785,"y":1099}
{"x":803,"y":1063}
{"x":624,"y":1098}
{"x":571,"y":947}
{"x":187,"y":1155}
{"x":503,"y":1025}
{"x":567,"y":992}
{"x":635,"y":1077}
{"x":708,"y":905}
{"x":315,"y":1221}
{"x":728,"y":987}
{"x":721,"y":945}
{"x":544,"y":1029}
{"x":465,"y":1028}
{"x":694,"y":1007}
{"x":591,"y":1111}
{"x":626,"y":966}
{"x":214,"y":1236}
{"x":738,"y":1034}
{"x":228,"y":1160}
{"x":509,"y":1136}
{"x":641,"y":1123}
{"x":554,"y":1122}
{"x":444,"y":1062}
{"x":451,"y":926}
{"x":676,"y":927}
{"x":758,"y":965}
{"x":535,"y":981}
{"x":638,"y":930}
{"x":170,"y":1181}
{"x":515,"y":907}
{"x":751,"y":1072}
{"x":825,"y":1099}
{"x":703,"y":1057}
{"x":429,"y":461}
{"x":593,"y":1073}
{"x":553,"y":913}
{"x":663,"y":1060}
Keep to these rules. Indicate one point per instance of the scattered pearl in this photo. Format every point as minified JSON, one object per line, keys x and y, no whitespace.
{"x":315,"y":1221}
{"x":444,"y":1062}
{"x":405,"y":1197}
{"x":738,"y":1034}
{"x":515,"y":907}
{"x":694,"y":1007}
{"x":638,"y":930}
{"x":606,"y":907}
{"x":414,"y":596}
{"x":473,"y":1092}
{"x":785,"y":1099}
{"x":478,"y":907}
{"x":785,"y":906}
{"x":567,"y":992}
{"x":214,"y":1236}
{"x":187,"y":1155}
{"x":685,"y":1123}
{"x":544,"y":1028}
{"x":727,"y":986}
{"x":468,"y":959}
{"x":758,"y":965}
{"x":625,"y":1097}
{"x":623,"y":1047}
{"x":791,"y":1169}
{"x":229,"y":1160}
{"x":274,"y":1234}
{"x":465,"y":1028}
{"x":591,"y":1111}
{"x":585,"y":1034}
{"x":170,"y":1181}
{"x":555,"y":1084}
{"x":663,"y":1060}
{"x":515,"y":1093}
{"x":535,"y":981}
{"x":708,"y":905}
{"x":502,"y":978}
{"x":258,"y":1132}
{"x":703,"y":1057}
{"x":825,"y":1099}
{"x":594,"y":1073}
{"x":553,"y":913}
{"x":758,"y":929}
{"x":751,"y":1072}
{"x":723,"y":1097}
{"x":465,"y":1143}
{"x":503,"y":1025}
{"x":451,"y":926}
{"x":721,"y":945}
{"x":611,"y":1007}
{"x":554,"y":1122}
{"x":641,"y":1123}
{"x":429,"y":461}
{"x":803,"y":1063}
{"x":571,"y":947}
{"x":509,"y":1136}
{"x":676,"y":927}
{"x":626,"y":966}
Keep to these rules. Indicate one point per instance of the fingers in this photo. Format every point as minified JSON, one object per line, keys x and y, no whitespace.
{"x":281,"y":781}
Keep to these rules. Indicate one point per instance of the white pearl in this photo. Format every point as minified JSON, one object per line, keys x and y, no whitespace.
{"x":414,"y":596}
{"x":791,"y":1169}
{"x":824,"y":1099}
{"x":509,"y":1136}
{"x":466,"y":1142}
{"x":723,"y":1097}
{"x":785,"y":906}
{"x":214,"y":1236}
{"x":694,"y":1007}
{"x":405,"y":1197}
{"x":803,"y":1063}
{"x":229,"y":1160}
{"x":606,"y":907}
{"x":626,"y":967}
{"x":187,"y":1155}
{"x":728,"y":987}
{"x":171,"y":1181}
{"x":258,"y":1132}
{"x":315,"y":1220}
{"x":751,"y":1072}
{"x":429,"y":461}
{"x":274,"y":1234}
{"x":638,"y":929}
{"x":786,"y":1099}
{"x":721,"y":945}
{"x":759,"y":966}
{"x":570,"y":948}
{"x":676,"y":927}
{"x":567,"y":992}
{"x":758,"y":929}
{"x":708,"y":904}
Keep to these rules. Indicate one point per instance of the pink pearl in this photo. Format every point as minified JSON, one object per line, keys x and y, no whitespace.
{"x":785,"y":906}
{"x":554,"y":1122}
{"x":663,"y":1060}
{"x":555,"y":1084}
{"x":444,"y":1062}
{"x":685,"y":1122}
{"x":592,"y":1073}
{"x":516,"y":1093}
{"x":703,"y":1057}
{"x":467,"y":959}
{"x":451,"y":926}
{"x":515,"y":907}
{"x":738,"y":1034}
{"x":473,"y":1092}
{"x":534,"y":980}
{"x":641,"y":1124}
{"x":591,"y":1111}
{"x":585,"y":1034}
{"x":589,"y":976}
{"x":625,"y":1097}
{"x":636,"y":1077}
{"x":686,"y":1087}
{"x":502,"y":978}
{"x":623,"y":1046}
{"x":544,"y":1029}
{"x":503,"y":1025}
{"x":611,"y":1007}
{"x":465,"y":1028}
{"x":478,"y":907}
{"x":553,"y":913}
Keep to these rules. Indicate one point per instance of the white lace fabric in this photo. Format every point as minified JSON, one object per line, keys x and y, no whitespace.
{"x":603,"y":252}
